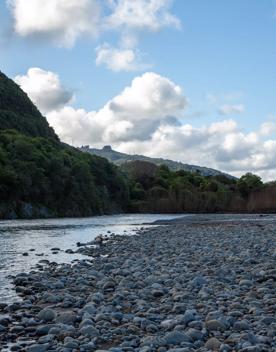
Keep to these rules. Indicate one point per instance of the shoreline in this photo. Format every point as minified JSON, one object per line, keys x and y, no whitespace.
{"x":194,"y":285}
{"x":194,"y":213}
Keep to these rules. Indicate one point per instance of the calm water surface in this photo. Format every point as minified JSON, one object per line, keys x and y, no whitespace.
{"x":19,"y":236}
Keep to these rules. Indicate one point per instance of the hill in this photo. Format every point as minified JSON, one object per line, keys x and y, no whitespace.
{"x":42,"y":177}
{"x":121,"y":158}
{"x":18,"y":112}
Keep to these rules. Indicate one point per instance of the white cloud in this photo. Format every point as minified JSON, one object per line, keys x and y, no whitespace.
{"x":44,"y":89}
{"x":141,"y":15}
{"x":119,"y":59}
{"x":60,"y":21}
{"x":150,"y":96}
{"x":236,"y":146}
{"x":75,"y":126}
{"x":228,"y":109}
{"x":146,"y":118}
{"x":130,"y":17}
{"x":267,"y":128}
{"x":135,"y":114}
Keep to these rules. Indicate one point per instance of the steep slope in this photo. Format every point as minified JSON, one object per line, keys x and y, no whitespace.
{"x":42,"y":177}
{"x":18,"y":112}
{"x":121,"y":158}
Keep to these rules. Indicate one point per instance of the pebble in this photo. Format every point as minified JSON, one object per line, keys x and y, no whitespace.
{"x":47,"y":315}
{"x":190,"y":286}
{"x":213,"y":344}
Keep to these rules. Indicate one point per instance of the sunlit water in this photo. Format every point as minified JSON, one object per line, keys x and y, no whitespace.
{"x":38,"y":237}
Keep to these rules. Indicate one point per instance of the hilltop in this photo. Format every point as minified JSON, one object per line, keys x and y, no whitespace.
{"x":121,"y":158}
{"x":19,"y":113}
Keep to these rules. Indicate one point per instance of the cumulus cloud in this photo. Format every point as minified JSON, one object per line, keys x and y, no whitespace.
{"x":122,"y":59}
{"x":147,"y":118}
{"x":136,"y":113}
{"x":236,"y":146}
{"x":130,"y":17}
{"x":141,"y":15}
{"x":64,"y":21}
{"x":44,"y":89}
{"x":229,"y":109}
{"x":60,"y":21}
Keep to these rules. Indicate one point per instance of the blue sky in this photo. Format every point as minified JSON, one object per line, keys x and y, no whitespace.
{"x":221,"y":53}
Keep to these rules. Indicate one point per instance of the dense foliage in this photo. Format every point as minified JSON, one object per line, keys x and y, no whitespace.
{"x":41,"y":177}
{"x":158,"y":189}
{"x":18,"y":112}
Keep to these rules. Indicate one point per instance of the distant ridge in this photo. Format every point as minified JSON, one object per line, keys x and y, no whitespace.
{"x":121,"y":158}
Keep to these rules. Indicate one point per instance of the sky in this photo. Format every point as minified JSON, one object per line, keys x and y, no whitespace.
{"x":189,"y":80}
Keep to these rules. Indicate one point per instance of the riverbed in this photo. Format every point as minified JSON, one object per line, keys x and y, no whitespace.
{"x":23,"y":243}
{"x":204,"y":283}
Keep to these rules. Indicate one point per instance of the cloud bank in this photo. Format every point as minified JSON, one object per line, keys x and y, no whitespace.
{"x":147,"y":117}
{"x":150,"y":101}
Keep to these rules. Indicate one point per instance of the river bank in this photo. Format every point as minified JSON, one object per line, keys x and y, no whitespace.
{"x":194,"y":285}
{"x":23,"y":243}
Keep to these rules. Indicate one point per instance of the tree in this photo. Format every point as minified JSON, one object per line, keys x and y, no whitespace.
{"x":249,"y":183}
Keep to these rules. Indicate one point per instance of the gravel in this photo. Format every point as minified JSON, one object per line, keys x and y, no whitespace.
{"x":189,"y":286}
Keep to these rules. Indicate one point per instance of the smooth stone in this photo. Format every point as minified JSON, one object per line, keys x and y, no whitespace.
{"x":47,"y":315}
{"x":50,"y":298}
{"x":176,"y":338}
{"x":89,"y":308}
{"x":44,"y":329}
{"x":67,"y":318}
{"x":213,"y":344}
{"x":215,"y":325}
{"x":89,"y":331}
{"x":241,"y":325}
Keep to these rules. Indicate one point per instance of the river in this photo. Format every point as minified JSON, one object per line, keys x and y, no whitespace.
{"x":38,"y":237}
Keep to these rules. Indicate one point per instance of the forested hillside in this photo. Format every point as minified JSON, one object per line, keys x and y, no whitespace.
{"x":42,"y":177}
{"x":158,"y":189}
{"x":18,"y":112}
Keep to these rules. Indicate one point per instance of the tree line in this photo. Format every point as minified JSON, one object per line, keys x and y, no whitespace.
{"x":159,"y":189}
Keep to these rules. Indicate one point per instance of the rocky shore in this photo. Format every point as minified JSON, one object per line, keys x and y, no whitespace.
{"x":190,"y":286}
